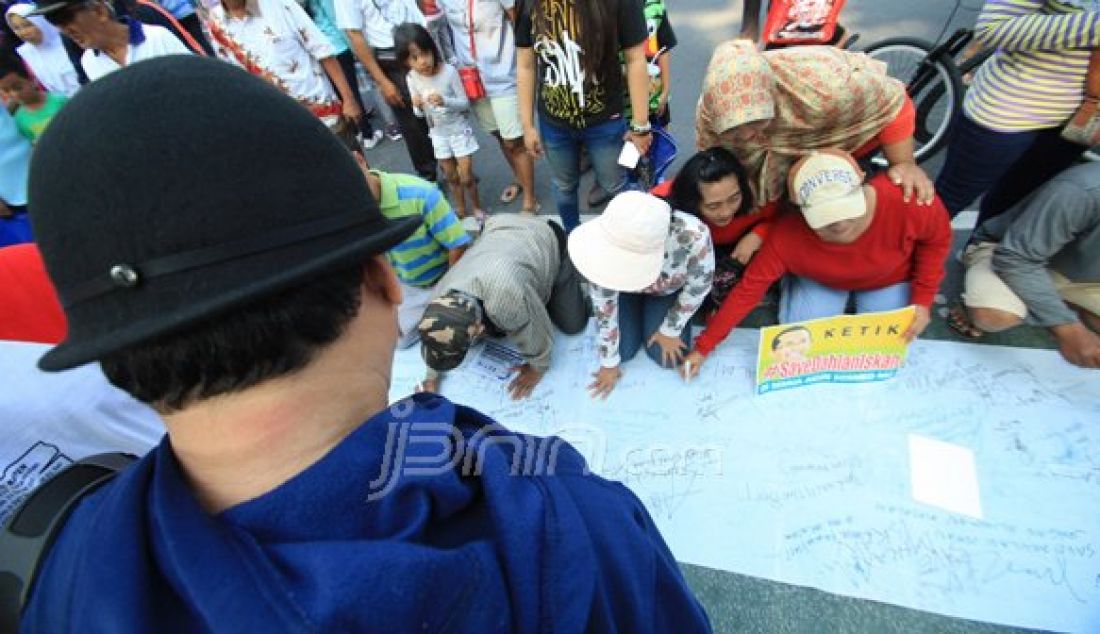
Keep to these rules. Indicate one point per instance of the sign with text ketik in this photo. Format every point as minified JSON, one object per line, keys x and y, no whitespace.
{"x":844,"y":349}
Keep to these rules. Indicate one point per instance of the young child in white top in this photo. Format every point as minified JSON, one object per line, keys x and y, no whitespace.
{"x":438,"y":96}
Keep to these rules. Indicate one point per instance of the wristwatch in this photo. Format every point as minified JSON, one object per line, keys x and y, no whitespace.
{"x":643,"y":129}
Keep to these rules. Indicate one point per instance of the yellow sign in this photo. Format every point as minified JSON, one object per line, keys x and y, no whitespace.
{"x":844,"y":349}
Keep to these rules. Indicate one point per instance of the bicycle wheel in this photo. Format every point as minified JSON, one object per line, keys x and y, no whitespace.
{"x":935,"y":88}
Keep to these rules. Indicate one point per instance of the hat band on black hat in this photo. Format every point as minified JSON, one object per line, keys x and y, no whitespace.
{"x":124,"y":275}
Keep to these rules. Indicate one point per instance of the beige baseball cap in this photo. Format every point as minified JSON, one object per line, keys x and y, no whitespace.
{"x":827,"y":186}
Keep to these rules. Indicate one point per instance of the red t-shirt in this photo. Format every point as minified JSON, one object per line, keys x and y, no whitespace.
{"x":902,"y":127}
{"x":31,"y":310}
{"x":905,"y":242}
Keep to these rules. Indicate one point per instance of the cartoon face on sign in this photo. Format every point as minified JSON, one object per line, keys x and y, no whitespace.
{"x":792,"y":345}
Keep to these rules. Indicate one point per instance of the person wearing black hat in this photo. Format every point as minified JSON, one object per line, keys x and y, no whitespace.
{"x":109,"y":41}
{"x":253,"y":308}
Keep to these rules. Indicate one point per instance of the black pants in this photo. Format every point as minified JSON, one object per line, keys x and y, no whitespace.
{"x":193,"y":27}
{"x":568,"y":305}
{"x":347,"y":64}
{"x":1004,"y":166}
{"x":415,"y":129}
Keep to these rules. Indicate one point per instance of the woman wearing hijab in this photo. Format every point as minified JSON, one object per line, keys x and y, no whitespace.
{"x":772,"y":108}
{"x":43,"y":50}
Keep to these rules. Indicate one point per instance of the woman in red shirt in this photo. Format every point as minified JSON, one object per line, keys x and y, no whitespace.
{"x":714,"y":186}
{"x":852,"y":240}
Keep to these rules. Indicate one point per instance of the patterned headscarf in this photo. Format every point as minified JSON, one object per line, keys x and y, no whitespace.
{"x":815,"y":96}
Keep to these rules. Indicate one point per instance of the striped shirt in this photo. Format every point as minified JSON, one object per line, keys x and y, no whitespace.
{"x":422,"y":258}
{"x":1036,"y":79}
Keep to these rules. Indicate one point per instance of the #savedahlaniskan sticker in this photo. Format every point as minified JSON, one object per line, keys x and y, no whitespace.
{"x":844,"y":349}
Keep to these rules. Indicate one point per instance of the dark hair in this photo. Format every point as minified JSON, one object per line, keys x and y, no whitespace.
{"x":775,"y":340}
{"x":599,"y":31}
{"x":410,"y":33}
{"x":708,"y":166}
{"x":270,"y":338}
{"x":9,"y":66}
{"x":8,"y":41}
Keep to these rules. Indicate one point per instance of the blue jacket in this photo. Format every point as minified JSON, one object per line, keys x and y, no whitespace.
{"x":395,"y":530}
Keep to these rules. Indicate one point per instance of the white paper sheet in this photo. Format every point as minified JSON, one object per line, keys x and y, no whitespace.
{"x":812,"y":486}
{"x":943,"y":475}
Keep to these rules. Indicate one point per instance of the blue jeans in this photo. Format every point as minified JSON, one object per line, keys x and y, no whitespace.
{"x":640,"y":316}
{"x":805,"y":299}
{"x":1005,"y":166}
{"x":563,"y":147}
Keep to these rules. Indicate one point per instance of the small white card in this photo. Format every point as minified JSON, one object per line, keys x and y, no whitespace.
{"x":630,"y":156}
{"x":496,"y":360}
{"x":943,"y":475}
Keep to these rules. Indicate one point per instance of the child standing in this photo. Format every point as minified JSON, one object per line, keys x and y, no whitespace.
{"x":658,"y":49}
{"x":35,"y":108}
{"x":438,"y":96}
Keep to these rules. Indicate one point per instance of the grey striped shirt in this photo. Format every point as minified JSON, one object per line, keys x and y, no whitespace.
{"x":511,"y":268}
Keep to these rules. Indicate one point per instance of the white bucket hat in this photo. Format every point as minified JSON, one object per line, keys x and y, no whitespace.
{"x":624,"y":248}
{"x":828,"y":187}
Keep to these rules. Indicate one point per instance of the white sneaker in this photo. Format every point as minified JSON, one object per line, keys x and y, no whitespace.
{"x":373,"y":141}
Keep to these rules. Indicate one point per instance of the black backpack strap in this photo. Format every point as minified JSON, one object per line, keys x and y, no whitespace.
{"x":30,"y":531}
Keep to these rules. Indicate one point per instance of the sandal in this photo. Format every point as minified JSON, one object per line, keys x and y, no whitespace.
{"x":957,"y":320}
{"x":510,"y":193}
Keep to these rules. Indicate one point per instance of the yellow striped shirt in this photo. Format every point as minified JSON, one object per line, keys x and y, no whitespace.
{"x":1036,"y":79}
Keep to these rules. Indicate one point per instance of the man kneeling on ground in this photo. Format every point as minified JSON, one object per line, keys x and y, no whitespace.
{"x":1040,"y":262}
{"x":516,"y":281}
{"x":851,"y":241}
{"x":253,"y":308}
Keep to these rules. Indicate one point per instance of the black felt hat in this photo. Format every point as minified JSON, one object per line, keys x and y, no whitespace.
{"x":179,"y":188}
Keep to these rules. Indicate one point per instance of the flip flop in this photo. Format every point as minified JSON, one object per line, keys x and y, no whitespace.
{"x":957,"y":320}
{"x":510,"y":193}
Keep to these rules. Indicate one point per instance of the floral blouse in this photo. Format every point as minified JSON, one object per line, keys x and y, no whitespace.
{"x":688,"y":265}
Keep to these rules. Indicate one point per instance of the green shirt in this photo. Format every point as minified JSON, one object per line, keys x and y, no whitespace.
{"x":32,"y":123}
{"x":660,"y":41}
{"x":422,"y":258}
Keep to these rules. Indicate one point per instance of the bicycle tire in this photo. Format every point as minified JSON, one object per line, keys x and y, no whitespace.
{"x":936,"y":92}
{"x":937,"y":100}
